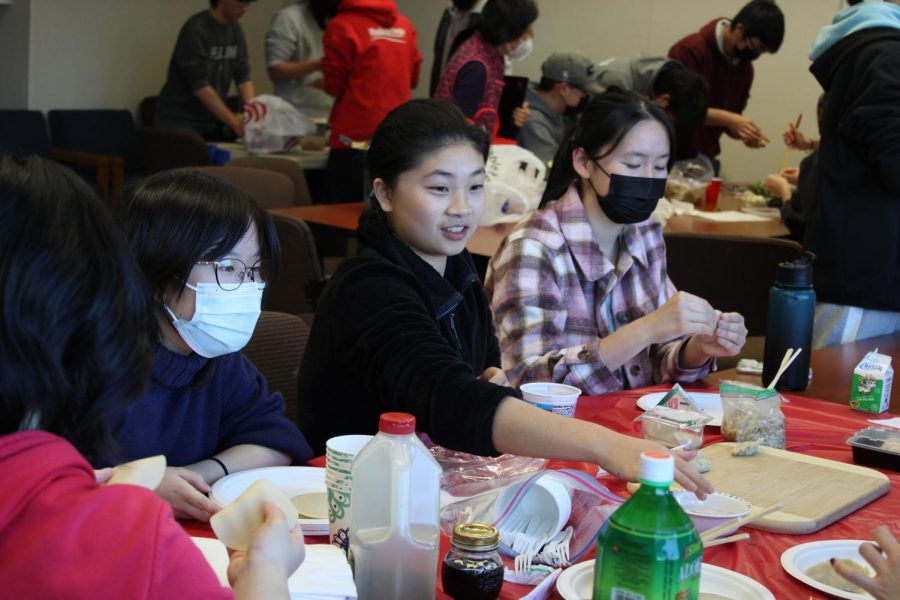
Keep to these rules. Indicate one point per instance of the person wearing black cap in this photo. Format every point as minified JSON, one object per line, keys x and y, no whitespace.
{"x":567,"y":80}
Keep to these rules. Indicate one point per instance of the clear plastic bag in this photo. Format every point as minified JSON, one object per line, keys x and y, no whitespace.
{"x":271,"y":124}
{"x":752,"y":413}
{"x":467,"y":475}
{"x":591,"y":506}
{"x":688,"y":179}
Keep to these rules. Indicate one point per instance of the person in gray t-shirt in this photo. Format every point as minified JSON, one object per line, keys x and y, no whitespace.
{"x":294,"y":55}
{"x":566,"y":84}
{"x":210,"y":54}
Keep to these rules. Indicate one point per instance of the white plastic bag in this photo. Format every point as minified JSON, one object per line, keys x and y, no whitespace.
{"x":514,"y":183}
{"x":272,"y":124}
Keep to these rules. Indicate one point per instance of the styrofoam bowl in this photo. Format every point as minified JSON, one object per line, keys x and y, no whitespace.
{"x":714,"y":511}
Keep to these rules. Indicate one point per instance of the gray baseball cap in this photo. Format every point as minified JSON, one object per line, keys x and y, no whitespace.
{"x":574,"y":68}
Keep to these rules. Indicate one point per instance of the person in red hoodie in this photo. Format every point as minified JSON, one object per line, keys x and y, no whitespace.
{"x":73,"y":348}
{"x":370,"y":66}
{"x":723,"y":52}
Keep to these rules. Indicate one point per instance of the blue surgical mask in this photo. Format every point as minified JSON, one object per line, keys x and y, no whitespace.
{"x":223,"y":320}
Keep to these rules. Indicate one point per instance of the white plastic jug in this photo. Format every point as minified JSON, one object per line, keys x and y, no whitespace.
{"x":395,"y":526}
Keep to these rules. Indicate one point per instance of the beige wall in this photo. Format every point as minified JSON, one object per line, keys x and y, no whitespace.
{"x":607,"y":28}
{"x":113,"y":53}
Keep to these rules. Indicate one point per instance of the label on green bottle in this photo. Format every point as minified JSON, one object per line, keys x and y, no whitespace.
{"x":634,"y":565}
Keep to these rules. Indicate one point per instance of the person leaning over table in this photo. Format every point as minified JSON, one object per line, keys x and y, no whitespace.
{"x":294,"y":55}
{"x":723,"y":52}
{"x":405,"y":325}
{"x":73,"y":349}
{"x":473,"y":78}
{"x":205,"y":248}
{"x":579,"y":289}
{"x":209,"y":55}
{"x":682,"y":93}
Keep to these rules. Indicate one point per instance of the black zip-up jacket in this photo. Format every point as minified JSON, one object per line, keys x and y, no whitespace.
{"x":855,"y":229}
{"x":391,"y":334}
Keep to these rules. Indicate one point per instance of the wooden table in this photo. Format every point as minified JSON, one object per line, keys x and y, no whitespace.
{"x":485,"y":241}
{"x":310,"y":160}
{"x":833,"y":370}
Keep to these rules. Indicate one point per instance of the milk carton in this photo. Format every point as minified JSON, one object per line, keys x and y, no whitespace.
{"x":872,"y":378}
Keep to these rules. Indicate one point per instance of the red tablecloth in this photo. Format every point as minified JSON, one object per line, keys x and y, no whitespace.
{"x":814,"y":427}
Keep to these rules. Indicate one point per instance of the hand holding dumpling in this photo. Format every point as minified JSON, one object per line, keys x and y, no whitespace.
{"x":727,"y":340}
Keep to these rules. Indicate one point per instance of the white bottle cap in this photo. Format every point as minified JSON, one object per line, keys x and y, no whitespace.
{"x":657,"y":467}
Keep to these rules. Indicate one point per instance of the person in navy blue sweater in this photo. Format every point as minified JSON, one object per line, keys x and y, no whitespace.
{"x":206,"y":249}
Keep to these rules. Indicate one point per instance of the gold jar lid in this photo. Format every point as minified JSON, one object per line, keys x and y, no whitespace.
{"x":475,"y":536}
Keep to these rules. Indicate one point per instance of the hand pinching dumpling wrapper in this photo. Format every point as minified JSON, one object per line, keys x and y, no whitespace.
{"x":236,"y":524}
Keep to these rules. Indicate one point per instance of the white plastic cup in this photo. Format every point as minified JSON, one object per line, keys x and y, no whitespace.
{"x":554,"y":397}
{"x":345,"y":447}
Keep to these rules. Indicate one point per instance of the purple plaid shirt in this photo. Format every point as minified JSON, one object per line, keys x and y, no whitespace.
{"x":555,"y":295}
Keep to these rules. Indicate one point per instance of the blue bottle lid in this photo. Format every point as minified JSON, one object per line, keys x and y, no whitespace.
{"x":796,"y":273}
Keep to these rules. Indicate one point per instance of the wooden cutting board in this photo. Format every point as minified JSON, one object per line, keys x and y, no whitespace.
{"x":815,"y":491}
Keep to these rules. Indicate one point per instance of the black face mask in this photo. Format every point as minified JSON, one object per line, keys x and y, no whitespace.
{"x":630,"y":199}
{"x":747,"y":54}
{"x":574,"y":111}
{"x":464,"y":4}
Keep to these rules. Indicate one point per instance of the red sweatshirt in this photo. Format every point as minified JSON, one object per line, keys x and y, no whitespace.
{"x":370,"y":65}
{"x":729,"y":84}
{"x":63,"y":536}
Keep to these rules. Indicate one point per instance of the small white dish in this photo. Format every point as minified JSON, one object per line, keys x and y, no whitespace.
{"x":714,"y":511}
{"x":293,"y":481}
{"x":797,"y":560}
{"x":710,"y":403}
{"x":577,"y":583}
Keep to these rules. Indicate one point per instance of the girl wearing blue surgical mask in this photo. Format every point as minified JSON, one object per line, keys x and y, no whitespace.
{"x":579,"y":289}
{"x":206,"y":250}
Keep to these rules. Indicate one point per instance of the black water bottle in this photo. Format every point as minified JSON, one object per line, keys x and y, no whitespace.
{"x":792,"y":305}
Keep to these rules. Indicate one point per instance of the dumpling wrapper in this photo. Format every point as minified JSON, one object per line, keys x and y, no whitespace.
{"x":236,"y":524}
{"x":311,"y":506}
{"x":145,"y":473}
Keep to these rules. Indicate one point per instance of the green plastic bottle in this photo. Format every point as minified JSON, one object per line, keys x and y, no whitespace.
{"x":649,"y":548}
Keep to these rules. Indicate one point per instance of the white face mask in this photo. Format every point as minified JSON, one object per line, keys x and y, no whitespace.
{"x":223,"y":320}
{"x":522,"y":50}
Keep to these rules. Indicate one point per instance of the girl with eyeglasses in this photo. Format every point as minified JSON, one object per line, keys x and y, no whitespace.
{"x":205,"y":249}
{"x":405,"y":326}
{"x":579,"y":289}
{"x":74,"y":349}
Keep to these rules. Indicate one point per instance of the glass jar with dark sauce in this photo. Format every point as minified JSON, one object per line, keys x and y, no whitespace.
{"x":473,"y":569}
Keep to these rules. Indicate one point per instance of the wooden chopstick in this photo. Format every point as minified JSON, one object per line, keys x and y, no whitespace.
{"x":715,"y":532}
{"x":726,"y":540}
{"x":787,"y":150}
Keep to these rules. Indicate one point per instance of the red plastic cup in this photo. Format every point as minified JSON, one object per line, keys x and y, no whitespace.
{"x":712,"y":194}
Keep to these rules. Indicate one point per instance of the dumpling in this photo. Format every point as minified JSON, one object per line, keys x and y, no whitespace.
{"x":823,"y":572}
{"x":746,"y":448}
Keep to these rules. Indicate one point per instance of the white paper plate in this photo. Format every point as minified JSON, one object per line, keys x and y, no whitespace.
{"x":293,"y":481}
{"x":709,"y":402}
{"x":798,"y":559}
{"x":577,"y":583}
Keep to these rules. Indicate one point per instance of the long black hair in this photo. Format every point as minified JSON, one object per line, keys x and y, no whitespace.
{"x":174,"y":219}
{"x":504,"y":21}
{"x":414,"y":130}
{"x":605,"y":121}
{"x":73,"y":308}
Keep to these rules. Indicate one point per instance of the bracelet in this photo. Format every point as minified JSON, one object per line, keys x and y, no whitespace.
{"x":221,"y":464}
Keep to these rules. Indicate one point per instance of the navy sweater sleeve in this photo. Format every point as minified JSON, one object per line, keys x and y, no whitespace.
{"x":251,"y":415}
{"x":407,"y":364}
{"x":468,"y":88}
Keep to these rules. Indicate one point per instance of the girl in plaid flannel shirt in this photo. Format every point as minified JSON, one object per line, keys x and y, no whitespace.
{"x":579,"y":289}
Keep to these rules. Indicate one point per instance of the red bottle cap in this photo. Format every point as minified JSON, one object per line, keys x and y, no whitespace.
{"x":397,"y":423}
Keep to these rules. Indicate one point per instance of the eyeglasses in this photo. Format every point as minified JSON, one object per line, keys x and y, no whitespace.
{"x":231,"y":272}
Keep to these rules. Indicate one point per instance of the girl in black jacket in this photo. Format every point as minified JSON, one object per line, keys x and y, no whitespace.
{"x":406,"y":326}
